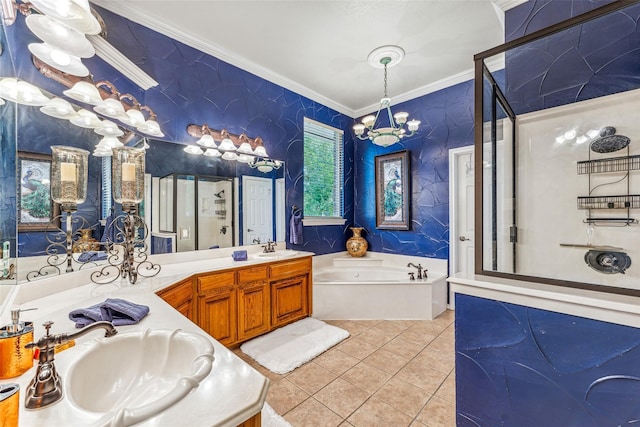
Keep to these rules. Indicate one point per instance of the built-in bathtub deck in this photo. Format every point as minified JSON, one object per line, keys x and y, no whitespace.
{"x":377,"y":286}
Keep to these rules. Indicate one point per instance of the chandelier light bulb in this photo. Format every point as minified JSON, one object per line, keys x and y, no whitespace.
{"x":413,"y":125}
{"x":401,"y":118}
{"x":358,"y":129}
{"x":368,"y":121}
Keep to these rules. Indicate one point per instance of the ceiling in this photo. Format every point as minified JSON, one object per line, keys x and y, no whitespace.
{"x":319,"y":49}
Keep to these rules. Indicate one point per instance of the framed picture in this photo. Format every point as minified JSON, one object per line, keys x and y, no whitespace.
{"x":392,"y":191}
{"x":36,"y":210}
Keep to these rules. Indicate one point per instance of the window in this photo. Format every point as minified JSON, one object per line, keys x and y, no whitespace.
{"x":323,"y":174}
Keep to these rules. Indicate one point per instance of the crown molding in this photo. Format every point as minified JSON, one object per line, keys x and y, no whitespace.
{"x":505,"y":5}
{"x":125,"y":10}
{"x":420,"y":91}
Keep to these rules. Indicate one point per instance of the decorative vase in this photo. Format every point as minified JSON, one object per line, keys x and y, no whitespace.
{"x":86,"y":242}
{"x":357,"y":245}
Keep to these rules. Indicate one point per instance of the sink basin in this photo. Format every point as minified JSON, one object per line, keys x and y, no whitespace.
{"x":277,"y":254}
{"x":134,"y":376}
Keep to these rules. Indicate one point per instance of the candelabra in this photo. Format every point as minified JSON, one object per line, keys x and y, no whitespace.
{"x":126,"y":244}
{"x":69,"y":174}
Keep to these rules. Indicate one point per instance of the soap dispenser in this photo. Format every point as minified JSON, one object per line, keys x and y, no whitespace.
{"x":16,"y":359}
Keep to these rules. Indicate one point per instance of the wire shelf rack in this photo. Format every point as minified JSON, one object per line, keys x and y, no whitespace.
{"x":631,"y":201}
{"x":614,"y":164}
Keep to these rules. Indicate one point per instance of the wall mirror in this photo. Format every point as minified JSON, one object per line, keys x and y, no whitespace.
{"x":558,"y":178}
{"x":219,"y":224}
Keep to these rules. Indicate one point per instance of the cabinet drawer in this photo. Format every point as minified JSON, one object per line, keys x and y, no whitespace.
{"x":252,"y":274}
{"x":290,"y":268}
{"x":211,"y":282}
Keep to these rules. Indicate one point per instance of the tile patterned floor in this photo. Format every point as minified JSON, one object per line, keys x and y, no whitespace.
{"x":387,"y":373}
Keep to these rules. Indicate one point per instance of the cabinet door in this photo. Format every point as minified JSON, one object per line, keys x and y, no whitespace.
{"x":180,"y":297}
{"x":217,"y":314}
{"x":253,"y":310}
{"x":289,"y":300}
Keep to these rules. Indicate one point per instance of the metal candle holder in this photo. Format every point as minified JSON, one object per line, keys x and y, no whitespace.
{"x":126,"y":247}
{"x":127,"y":250}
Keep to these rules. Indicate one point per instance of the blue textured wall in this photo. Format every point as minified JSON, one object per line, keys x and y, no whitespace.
{"x":446,"y":122}
{"x":523,"y":367}
{"x":198,"y":88}
{"x":536,"y":74}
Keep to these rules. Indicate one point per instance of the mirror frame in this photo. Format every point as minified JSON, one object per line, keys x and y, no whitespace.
{"x":480,"y":72}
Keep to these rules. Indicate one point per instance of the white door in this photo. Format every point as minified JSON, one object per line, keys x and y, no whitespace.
{"x":281,"y":219}
{"x":461,"y":212}
{"x":257,"y":209}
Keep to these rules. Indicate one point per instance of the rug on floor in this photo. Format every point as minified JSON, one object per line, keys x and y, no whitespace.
{"x":284,"y":349}
{"x":270,"y":417}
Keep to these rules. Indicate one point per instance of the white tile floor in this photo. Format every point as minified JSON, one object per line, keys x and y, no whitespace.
{"x":387,"y":373}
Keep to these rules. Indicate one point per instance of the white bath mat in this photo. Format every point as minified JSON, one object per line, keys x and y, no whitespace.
{"x":270,"y":417}
{"x":285,"y":349}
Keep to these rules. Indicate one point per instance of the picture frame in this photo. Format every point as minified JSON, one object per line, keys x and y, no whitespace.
{"x":36,"y":210}
{"x":393,"y":205}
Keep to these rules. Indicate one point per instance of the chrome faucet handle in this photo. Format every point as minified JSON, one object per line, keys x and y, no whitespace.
{"x":411,"y":275}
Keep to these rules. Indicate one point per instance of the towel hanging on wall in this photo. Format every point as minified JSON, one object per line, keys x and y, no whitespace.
{"x":295,"y":226}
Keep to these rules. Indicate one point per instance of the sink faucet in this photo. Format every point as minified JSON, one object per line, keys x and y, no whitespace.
{"x":419,"y":267}
{"x":269,"y":247}
{"x":46,"y":388}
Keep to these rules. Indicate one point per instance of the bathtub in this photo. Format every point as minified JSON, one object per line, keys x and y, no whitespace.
{"x":372,"y":290}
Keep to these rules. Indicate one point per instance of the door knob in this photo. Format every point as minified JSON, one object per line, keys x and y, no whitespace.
{"x":464,"y":239}
{"x":249,"y":230}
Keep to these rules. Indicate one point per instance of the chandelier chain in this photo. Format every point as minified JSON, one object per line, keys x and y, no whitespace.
{"x":385,"y":80}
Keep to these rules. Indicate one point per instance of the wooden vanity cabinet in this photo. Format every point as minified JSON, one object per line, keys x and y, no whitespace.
{"x":217,"y":306}
{"x":238,"y":304}
{"x":180,"y":297}
{"x":253,"y":302}
{"x":290,"y":293}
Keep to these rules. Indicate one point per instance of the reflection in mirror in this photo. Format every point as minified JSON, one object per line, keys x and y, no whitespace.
{"x":196,"y":212}
{"x":38,"y":131}
{"x":559,"y":203}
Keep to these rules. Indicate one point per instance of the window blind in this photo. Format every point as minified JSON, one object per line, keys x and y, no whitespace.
{"x":323,"y":170}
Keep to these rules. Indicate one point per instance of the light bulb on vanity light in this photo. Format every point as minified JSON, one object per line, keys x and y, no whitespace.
{"x":84,"y":92}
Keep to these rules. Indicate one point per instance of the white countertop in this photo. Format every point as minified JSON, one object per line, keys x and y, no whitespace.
{"x":607,"y":307}
{"x":230,"y":394}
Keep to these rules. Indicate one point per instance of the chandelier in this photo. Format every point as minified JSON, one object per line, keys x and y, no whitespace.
{"x":383,"y":57}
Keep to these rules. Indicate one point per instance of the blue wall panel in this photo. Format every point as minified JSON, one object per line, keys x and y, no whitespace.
{"x":521,"y":366}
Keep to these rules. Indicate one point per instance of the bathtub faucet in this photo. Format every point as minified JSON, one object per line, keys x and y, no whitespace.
{"x":419,"y":267}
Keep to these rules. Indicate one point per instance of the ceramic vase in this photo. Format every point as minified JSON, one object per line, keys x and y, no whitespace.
{"x":357,"y":245}
{"x":86,"y":242}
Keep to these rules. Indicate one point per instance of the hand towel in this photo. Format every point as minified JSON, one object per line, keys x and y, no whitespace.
{"x":92,"y":256}
{"x":295,"y":227}
{"x":117,"y":311}
{"x":86,"y":316}
{"x":121,"y":312}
